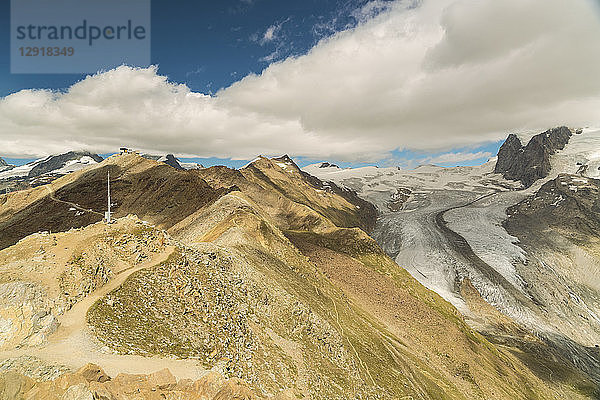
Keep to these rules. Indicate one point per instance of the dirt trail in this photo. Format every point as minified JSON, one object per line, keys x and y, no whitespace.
{"x":74,"y":345}
{"x":51,"y":195}
{"x":75,"y":318}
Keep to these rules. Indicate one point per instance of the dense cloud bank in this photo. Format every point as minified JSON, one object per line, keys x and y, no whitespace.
{"x":432,"y":76}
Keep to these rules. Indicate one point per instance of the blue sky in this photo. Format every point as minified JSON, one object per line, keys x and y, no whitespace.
{"x":210,"y":45}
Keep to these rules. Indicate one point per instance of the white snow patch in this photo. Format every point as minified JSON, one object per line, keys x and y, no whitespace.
{"x":579,"y":180}
{"x":22,"y":170}
{"x":190,"y":165}
{"x":75,"y":165}
{"x":582,"y":148}
{"x":558,"y":201}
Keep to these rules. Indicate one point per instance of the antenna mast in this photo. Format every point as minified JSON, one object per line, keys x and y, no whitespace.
{"x":107,"y":216}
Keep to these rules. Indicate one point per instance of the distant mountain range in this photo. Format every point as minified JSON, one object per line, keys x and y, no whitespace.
{"x":173,"y":161}
{"x":316,"y":282}
{"x":45,"y":170}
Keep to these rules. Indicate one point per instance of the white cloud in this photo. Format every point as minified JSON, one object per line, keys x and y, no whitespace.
{"x":370,"y":10}
{"x":443,"y":75}
{"x":270,"y":33}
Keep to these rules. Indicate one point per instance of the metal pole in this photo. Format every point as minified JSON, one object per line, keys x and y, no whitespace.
{"x":108,"y":186}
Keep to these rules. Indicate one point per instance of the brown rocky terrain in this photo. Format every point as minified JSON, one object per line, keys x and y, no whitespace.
{"x":259,"y":274}
{"x":149,"y":189}
{"x":284,"y":191}
{"x":558,"y":227}
{"x":91,"y":382}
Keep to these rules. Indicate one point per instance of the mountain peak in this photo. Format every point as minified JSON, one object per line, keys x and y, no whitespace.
{"x":168,"y":159}
{"x":285,"y":161}
{"x":328,"y":165}
{"x":45,"y":170}
{"x":62,"y":161}
{"x":530,"y":162}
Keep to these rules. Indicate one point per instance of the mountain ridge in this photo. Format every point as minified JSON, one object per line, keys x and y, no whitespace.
{"x":264,"y":285}
{"x":530,"y":162}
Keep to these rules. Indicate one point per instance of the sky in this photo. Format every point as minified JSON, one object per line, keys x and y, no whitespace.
{"x":352,"y":82}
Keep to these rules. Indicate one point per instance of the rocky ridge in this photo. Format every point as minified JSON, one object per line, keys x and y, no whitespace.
{"x":558,"y":227}
{"x":151,"y":190}
{"x":169,"y":159}
{"x":4,"y":166}
{"x":530,"y":162}
{"x":91,"y":382}
{"x":54,"y":163}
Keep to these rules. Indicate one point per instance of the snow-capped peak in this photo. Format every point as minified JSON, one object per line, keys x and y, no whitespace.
{"x":60,"y":164}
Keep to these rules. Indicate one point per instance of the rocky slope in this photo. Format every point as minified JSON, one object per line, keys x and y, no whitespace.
{"x":558,"y":228}
{"x":63,"y":163}
{"x":169,"y":159}
{"x":272,"y":280}
{"x":530,"y":162}
{"x":173,"y":161}
{"x":295,"y":199}
{"x":153,"y":191}
{"x":91,"y":382}
{"x":445,"y":226}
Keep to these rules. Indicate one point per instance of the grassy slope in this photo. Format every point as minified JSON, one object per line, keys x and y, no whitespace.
{"x":307,"y":319}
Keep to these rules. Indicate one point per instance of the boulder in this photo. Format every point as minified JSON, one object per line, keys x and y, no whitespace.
{"x":78,"y":392}
{"x":14,"y":385}
{"x":162,"y":379}
{"x":209,"y":384}
{"x":93,"y":373}
{"x":235,"y":389}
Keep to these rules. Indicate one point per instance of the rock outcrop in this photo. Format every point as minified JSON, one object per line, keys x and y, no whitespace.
{"x":91,"y":382}
{"x":26,"y":317}
{"x":34,"y":368}
{"x":569,"y":203}
{"x":169,"y":159}
{"x":558,"y":228}
{"x":4,"y":166}
{"x":531,"y":162}
{"x":327,"y":165}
